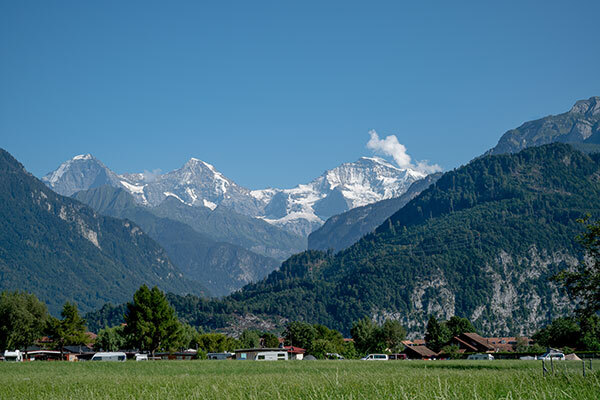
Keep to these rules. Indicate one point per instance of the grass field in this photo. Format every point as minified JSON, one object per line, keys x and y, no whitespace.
{"x":296,"y":380}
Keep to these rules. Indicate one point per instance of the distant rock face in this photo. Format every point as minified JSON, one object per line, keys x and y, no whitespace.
{"x":299,"y":210}
{"x":579,"y":126}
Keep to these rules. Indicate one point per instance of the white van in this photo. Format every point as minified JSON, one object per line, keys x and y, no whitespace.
{"x":480,"y":357}
{"x":15,"y":356}
{"x":110,"y":356}
{"x":376,"y":357}
{"x":141,"y":357}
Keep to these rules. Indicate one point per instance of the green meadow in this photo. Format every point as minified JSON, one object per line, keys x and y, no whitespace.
{"x":297,"y":380}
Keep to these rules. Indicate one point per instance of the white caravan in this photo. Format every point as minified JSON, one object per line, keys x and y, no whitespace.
{"x":110,"y":356}
{"x":13,"y":355}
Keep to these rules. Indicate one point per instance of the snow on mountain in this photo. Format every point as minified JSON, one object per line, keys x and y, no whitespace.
{"x":306,"y":207}
{"x":79,"y":173}
{"x":197,"y":183}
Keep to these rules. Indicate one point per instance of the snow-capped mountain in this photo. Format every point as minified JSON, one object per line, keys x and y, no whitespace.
{"x":300,"y":209}
{"x":306,"y":207}
{"x":80,"y":173}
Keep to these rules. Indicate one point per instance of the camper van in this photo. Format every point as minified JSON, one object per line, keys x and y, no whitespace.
{"x":110,"y":356}
{"x":15,"y":356}
{"x":376,"y":357}
{"x":480,"y":357}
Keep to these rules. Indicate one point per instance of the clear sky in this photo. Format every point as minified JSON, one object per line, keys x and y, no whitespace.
{"x":274,"y":93}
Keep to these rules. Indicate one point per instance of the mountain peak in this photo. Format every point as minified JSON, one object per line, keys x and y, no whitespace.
{"x":590,"y":107}
{"x":87,"y":156}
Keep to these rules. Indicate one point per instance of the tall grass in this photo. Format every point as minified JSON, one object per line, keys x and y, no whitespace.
{"x":296,"y":380}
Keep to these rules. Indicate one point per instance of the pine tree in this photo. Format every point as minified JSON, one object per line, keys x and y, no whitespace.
{"x":151,"y":321}
{"x":71,"y":330}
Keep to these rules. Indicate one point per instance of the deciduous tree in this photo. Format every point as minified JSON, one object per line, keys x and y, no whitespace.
{"x":22,"y":319}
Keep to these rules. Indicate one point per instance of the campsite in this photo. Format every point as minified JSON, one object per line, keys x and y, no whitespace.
{"x":499,"y":379}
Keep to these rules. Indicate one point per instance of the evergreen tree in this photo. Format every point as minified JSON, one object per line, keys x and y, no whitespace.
{"x":70,"y":330}
{"x":22,"y":320}
{"x":151,"y":321}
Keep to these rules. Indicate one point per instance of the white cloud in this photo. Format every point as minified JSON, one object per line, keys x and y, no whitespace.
{"x":151,"y":176}
{"x":390,"y":146}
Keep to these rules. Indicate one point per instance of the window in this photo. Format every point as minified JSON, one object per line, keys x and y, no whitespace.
{"x":260,"y":357}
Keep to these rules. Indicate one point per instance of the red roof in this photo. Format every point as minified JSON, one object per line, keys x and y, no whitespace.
{"x":294,"y":350}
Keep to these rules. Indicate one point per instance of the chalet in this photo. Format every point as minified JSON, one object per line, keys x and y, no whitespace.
{"x":508,"y":344}
{"x":419,"y":353}
{"x":472,"y":343}
{"x":294,"y":353}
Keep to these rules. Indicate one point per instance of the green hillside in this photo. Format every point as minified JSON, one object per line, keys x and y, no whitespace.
{"x":220,"y":267}
{"x":341,"y":231}
{"x":62,"y":250}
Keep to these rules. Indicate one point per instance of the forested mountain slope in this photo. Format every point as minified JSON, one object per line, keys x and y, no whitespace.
{"x":480,"y":243}
{"x":220,"y":267}
{"x":341,"y":231}
{"x":62,"y":250}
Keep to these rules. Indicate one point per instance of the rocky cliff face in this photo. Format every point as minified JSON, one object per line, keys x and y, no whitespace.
{"x":580,"y":125}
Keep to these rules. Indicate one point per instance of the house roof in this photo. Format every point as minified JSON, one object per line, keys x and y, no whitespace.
{"x":256,"y":349}
{"x":467,"y":345}
{"x":78,"y":349}
{"x":422,"y":351}
{"x":479,"y":340}
{"x":294,"y":350}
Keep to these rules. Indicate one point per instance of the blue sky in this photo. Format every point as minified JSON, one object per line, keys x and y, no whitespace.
{"x":274,"y":93}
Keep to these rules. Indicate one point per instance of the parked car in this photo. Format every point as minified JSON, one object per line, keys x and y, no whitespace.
{"x":334,"y":356}
{"x":400,"y":356}
{"x":376,"y":357}
{"x":141,"y":357}
{"x":480,"y":356}
{"x":110,"y":356}
{"x":554,"y":355}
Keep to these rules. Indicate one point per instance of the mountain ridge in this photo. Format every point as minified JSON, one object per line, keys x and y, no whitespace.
{"x":62,"y":250}
{"x":299,"y":210}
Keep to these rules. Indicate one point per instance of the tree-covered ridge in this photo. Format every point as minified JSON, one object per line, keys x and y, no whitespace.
{"x":342,"y":231}
{"x":62,"y":250}
{"x":481,"y":243}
